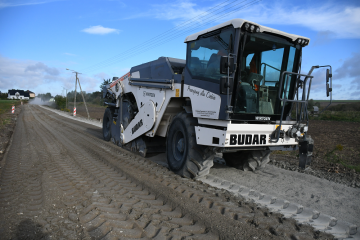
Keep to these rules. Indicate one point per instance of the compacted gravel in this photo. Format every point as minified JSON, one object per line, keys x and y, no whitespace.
{"x":60,"y":180}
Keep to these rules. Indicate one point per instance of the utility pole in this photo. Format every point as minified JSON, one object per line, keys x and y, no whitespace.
{"x":75,"y":94}
{"x":84,"y":99}
{"x":76,"y":81}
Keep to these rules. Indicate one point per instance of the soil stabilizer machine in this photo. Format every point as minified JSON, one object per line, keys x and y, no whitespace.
{"x":240,"y":92}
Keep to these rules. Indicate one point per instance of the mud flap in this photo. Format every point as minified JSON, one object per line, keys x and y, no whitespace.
{"x":305,"y":151}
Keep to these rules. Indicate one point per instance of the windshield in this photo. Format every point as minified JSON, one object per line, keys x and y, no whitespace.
{"x":263,"y":60}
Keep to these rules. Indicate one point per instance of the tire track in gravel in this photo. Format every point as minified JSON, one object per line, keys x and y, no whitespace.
{"x":129,"y":220}
{"x":301,"y":214}
{"x":194,"y":195}
{"x":25,"y":199}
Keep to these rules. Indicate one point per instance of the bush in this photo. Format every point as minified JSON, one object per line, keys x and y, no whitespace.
{"x":60,"y":102}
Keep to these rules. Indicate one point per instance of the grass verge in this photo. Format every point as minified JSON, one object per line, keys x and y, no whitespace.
{"x":5,"y":105}
{"x":345,"y":116}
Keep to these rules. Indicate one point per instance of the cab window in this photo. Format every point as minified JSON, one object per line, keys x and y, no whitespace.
{"x":204,"y":55}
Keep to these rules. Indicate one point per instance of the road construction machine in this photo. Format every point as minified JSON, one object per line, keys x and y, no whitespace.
{"x":240,"y":92}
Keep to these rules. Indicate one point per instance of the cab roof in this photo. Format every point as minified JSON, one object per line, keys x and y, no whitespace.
{"x":238,"y":23}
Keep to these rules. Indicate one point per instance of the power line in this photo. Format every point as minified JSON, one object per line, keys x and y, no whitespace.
{"x":142,"y":49}
{"x":168,"y":31}
{"x":214,"y":17}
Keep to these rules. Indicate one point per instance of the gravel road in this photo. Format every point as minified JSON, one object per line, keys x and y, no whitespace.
{"x":62,"y":181}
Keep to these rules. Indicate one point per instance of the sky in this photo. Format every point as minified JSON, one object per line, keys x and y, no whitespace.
{"x":40,"y":39}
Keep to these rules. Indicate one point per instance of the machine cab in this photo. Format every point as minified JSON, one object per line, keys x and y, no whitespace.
{"x":260,"y":55}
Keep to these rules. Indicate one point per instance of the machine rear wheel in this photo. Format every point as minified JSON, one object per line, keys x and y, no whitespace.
{"x":247,"y":160}
{"x":184,"y":156}
{"x":107,"y":120}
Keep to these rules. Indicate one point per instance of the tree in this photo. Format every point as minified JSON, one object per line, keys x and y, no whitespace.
{"x":60,"y":102}
{"x":45,"y":97}
{"x":105,"y":82}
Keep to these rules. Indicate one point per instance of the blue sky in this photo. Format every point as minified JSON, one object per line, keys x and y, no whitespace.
{"x":39,"y":39}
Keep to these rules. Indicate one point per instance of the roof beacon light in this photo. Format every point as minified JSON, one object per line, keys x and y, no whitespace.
{"x":257,"y":29}
{"x":247,"y":25}
{"x":299,"y":40}
{"x":252,"y":27}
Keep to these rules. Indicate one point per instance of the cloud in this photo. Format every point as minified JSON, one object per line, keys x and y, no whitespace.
{"x":356,"y":83}
{"x":183,"y":10}
{"x":41,"y":78}
{"x":70,"y":54}
{"x":329,"y":19}
{"x":20,"y":3}
{"x":346,"y":80}
{"x":349,"y":68}
{"x":100,"y":30}
{"x":323,"y":37}
{"x":343,"y":21}
{"x":355,"y":95}
{"x":25,"y":74}
{"x":41,"y":67}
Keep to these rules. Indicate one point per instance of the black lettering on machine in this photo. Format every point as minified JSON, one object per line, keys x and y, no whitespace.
{"x":247,"y":139}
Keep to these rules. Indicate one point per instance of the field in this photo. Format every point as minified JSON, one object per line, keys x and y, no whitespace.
{"x":95,"y":111}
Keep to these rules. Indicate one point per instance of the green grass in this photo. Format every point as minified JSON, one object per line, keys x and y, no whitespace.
{"x":345,"y":116}
{"x":5,"y":105}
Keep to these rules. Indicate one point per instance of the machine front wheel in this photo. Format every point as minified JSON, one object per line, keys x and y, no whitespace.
{"x":184,"y":156}
{"x":250,"y":160}
{"x":107,"y":120}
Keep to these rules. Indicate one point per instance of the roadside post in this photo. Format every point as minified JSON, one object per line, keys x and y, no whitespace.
{"x":13,"y":109}
{"x":74,"y":111}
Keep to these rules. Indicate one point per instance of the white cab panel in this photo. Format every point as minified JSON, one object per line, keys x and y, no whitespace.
{"x":204,"y":104}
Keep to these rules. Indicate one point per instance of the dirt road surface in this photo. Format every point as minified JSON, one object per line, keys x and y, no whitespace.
{"x":62,"y":181}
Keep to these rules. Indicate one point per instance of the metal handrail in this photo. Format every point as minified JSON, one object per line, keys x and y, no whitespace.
{"x":304,"y":98}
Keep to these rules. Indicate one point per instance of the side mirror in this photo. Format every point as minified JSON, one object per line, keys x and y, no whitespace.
{"x":328,"y":88}
{"x":224,"y":65}
{"x":224,"y":85}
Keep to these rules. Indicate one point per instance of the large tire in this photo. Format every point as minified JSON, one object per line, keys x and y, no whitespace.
{"x":247,"y":160}
{"x":107,"y":121}
{"x":184,"y":156}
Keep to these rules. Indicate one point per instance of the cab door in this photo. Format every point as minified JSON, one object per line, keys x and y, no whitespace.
{"x":202,"y":72}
